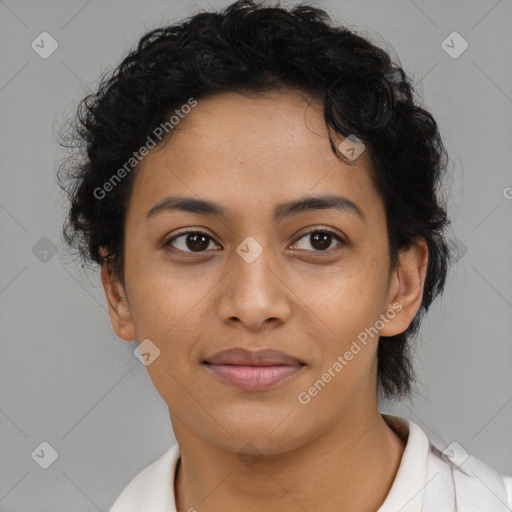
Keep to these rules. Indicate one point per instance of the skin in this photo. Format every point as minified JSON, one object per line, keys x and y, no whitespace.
{"x":250,"y":153}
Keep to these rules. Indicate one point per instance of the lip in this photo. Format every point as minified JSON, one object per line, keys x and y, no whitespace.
{"x":243,"y":357}
{"x":253,"y":371}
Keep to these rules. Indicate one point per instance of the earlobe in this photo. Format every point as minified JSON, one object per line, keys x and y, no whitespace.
{"x":406,"y":287}
{"x":118,"y":306}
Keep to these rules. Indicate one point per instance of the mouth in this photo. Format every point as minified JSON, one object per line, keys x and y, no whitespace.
{"x":253,"y":371}
{"x":253,"y":378}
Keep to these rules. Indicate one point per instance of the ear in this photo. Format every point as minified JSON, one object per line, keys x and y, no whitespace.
{"x":118,"y":306}
{"x":406,"y":287}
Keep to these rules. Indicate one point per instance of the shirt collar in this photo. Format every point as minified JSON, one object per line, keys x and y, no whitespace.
{"x":408,"y":489}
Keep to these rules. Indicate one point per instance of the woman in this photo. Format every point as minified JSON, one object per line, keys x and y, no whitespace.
{"x":260,"y":190}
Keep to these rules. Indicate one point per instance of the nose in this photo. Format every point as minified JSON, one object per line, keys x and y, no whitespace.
{"x":254,"y":293}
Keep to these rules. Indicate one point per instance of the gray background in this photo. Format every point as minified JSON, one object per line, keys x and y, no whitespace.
{"x":68,"y":380}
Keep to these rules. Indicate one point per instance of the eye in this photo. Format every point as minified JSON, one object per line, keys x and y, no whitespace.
{"x":321,"y":239}
{"x":195,"y":241}
{"x":198,"y":241}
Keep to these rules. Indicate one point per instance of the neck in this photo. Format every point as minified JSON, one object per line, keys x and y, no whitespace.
{"x":349,"y":467}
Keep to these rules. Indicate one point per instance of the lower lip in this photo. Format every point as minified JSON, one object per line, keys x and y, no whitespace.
{"x":253,"y":378}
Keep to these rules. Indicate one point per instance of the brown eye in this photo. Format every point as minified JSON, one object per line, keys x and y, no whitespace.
{"x":321,"y":239}
{"x":194,"y":241}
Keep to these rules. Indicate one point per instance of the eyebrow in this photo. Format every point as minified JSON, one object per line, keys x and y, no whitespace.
{"x":282,"y":211}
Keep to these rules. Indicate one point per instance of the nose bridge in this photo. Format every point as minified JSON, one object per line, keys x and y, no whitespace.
{"x":251,"y":264}
{"x":254,"y":293}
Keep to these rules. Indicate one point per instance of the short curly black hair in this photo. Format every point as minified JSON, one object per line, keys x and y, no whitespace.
{"x":251,"y":47}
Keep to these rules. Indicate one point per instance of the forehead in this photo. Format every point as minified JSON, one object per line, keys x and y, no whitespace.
{"x":250,"y":151}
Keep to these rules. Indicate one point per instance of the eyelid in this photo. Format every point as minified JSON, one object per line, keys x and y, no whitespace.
{"x":311,"y":230}
{"x":315,"y":229}
{"x":188,"y":232}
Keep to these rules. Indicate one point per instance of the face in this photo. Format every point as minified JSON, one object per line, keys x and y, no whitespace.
{"x":305,"y":281}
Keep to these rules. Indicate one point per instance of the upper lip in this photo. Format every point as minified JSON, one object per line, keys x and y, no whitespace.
{"x":243,"y":357}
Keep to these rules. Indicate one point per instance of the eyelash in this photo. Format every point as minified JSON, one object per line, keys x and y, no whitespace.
{"x":315,"y":230}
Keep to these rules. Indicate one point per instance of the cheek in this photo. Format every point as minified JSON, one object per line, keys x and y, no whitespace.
{"x":165,"y":299}
{"x":347,"y":299}
{"x":172,"y":309}
{"x":349,"y":305}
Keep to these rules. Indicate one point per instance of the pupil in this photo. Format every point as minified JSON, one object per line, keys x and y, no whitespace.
{"x":320,"y":238}
{"x":197,"y":242}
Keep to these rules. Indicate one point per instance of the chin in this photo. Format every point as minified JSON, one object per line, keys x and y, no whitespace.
{"x":271,"y":435}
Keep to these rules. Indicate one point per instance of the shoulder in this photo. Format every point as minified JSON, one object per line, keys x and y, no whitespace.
{"x":151,"y":489}
{"x":475,"y":485}
{"x":435,"y":478}
{"x":508,"y":486}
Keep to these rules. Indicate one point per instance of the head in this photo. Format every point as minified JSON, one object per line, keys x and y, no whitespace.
{"x":297,"y":156}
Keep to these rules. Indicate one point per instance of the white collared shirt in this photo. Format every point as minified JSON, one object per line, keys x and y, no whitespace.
{"x":425,"y":482}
